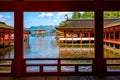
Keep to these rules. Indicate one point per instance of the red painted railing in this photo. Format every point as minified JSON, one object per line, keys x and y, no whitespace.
{"x":6,"y":41}
{"x":58,"y":64}
{"x":112,"y":41}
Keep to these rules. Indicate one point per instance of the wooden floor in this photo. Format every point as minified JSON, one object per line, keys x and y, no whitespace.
{"x":62,"y":78}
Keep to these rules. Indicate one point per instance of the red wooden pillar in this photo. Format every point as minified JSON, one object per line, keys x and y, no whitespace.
{"x":119,"y":35}
{"x":109,"y":35}
{"x":99,"y":64}
{"x":72,"y":37}
{"x":89,"y":35}
{"x":113,"y":35}
{"x":64,"y":34}
{"x":105,"y":35}
{"x":72,"y":34}
{"x":3,"y":35}
{"x":80,"y":37}
{"x":9,"y":35}
{"x":18,"y":40}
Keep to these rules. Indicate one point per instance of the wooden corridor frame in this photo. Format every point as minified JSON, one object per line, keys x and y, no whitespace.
{"x":20,"y":6}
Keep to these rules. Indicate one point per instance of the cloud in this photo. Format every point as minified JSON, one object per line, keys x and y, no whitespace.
{"x":8,"y":19}
{"x":55,"y":20}
{"x":62,"y":13}
{"x":1,"y":16}
{"x":8,"y":16}
{"x":44,"y":14}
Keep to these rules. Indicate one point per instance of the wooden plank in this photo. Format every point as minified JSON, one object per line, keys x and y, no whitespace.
{"x":63,"y":78}
{"x":117,"y":77}
{"x":6,"y":78}
{"x":52,"y":78}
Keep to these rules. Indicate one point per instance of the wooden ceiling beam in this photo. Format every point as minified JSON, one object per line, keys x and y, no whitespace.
{"x":60,"y":5}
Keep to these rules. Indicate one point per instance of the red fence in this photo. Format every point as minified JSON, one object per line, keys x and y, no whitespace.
{"x":57,"y":63}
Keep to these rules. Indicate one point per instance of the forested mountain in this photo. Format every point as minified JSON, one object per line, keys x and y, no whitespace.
{"x":48,"y":29}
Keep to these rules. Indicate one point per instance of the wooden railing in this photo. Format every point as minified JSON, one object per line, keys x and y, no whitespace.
{"x":112,"y":41}
{"x":57,"y":65}
{"x":115,"y":65}
{"x":6,"y":66}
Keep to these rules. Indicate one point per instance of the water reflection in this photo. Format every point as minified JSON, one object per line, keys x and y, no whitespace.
{"x":76,"y":52}
{"x":7,"y":52}
{"x":42,"y":48}
{"x":47,"y":47}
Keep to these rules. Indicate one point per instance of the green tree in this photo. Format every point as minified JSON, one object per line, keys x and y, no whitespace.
{"x":88,"y":15}
{"x":53,"y":31}
{"x":111,"y":14}
{"x":63,"y":23}
{"x":76,"y":15}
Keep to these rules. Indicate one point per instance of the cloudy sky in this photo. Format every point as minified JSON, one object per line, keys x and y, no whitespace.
{"x":7,"y":17}
{"x":35,"y":18}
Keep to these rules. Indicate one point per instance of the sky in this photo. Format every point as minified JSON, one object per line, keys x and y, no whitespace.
{"x":7,"y":17}
{"x":35,"y":18}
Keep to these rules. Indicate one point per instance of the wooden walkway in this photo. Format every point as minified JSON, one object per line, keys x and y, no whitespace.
{"x":62,"y":78}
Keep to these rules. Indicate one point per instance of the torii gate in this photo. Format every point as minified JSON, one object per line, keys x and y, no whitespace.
{"x":39,"y":31}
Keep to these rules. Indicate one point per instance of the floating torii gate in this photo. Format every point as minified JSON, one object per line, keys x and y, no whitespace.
{"x":39,"y":31}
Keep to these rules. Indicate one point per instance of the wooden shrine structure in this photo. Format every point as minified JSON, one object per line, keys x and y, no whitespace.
{"x":79,"y":30}
{"x":7,"y":34}
{"x":40,"y":31}
{"x":112,"y":34}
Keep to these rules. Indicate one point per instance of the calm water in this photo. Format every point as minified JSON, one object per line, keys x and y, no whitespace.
{"x":47,"y":48}
{"x":41,"y":48}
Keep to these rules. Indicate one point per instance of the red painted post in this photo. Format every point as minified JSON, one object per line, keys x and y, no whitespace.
{"x":9,"y":36}
{"x":59,"y":66}
{"x":3,"y":35}
{"x":109,"y":35}
{"x":18,"y":55}
{"x":119,"y":35}
{"x":114,"y":35}
{"x":99,"y":64}
{"x":105,"y":35}
{"x":64,"y":34}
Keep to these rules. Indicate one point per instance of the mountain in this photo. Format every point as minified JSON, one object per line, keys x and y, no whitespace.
{"x":47,"y":28}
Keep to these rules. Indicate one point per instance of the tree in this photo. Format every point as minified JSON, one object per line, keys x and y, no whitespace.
{"x":76,"y":15}
{"x":111,"y":14}
{"x":63,"y":23}
{"x":53,"y":31}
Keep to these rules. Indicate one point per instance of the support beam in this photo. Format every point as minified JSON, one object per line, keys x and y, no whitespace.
{"x":18,"y":55}
{"x":99,"y":65}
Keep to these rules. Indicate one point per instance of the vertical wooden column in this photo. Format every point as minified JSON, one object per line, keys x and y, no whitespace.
{"x":109,"y":35}
{"x":114,"y":35}
{"x":89,"y":39}
{"x":64,"y":34}
{"x":18,"y":40}
{"x":105,"y":35}
{"x":37,"y":33}
{"x":43,"y":32}
{"x":114,"y":38}
{"x":9,"y":33}
{"x":119,"y":35}
{"x":3,"y":36}
{"x":99,"y":65}
{"x":81,"y":38}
